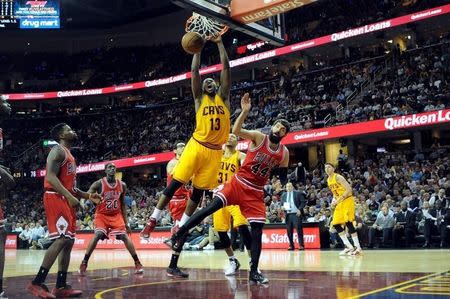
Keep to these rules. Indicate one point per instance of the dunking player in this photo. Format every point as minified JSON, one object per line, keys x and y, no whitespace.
{"x":177,"y":204}
{"x":6,"y":182}
{"x":111,"y":216}
{"x":200,"y":160}
{"x":60,"y":202}
{"x":231,"y":161}
{"x":246,"y":187}
{"x":344,"y":210}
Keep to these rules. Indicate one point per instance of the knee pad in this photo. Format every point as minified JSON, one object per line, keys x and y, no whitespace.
{"x":172,"y":188}
{"x":197,"y":195}
{"x":224,"y":239}
{"x":351,"y":228}
{"x":339,"y":229}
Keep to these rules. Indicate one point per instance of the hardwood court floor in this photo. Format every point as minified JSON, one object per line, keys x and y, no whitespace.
{"x":299,"y":274}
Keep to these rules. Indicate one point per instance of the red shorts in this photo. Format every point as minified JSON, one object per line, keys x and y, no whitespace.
{"x":249,"y":199}
{"x":61,"y":217}
{"x":177,"y":206}
{"x":110,"y":224}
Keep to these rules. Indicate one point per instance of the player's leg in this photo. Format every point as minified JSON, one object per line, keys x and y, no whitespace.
{"x":62,"y":289}
{"x":339,"y":221}
{"x":188,"y":165}
{"x":132,"y":250}
{"x":352,"y":231}
{"x":100,"y":234}
{"x":179,"y":237}
{"x":204,"y":178}
{"x":350,"y":224}
{"x":193,"y":203}
{"x":60,"y":220}
{"x":256,"y":233}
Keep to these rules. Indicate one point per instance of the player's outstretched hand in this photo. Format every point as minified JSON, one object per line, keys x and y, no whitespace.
{"x":95,"y":198}
{"x":246,"y":105}
{"x":217,"y":39}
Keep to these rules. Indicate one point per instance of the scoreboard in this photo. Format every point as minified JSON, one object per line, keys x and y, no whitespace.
{"x":30,"y":14}
{"x":7,"y":19}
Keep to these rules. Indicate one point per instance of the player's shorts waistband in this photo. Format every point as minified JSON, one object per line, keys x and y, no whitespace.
{"x":209,"y":145}
{"x":249,"y":184}
{"x":51,"y":191}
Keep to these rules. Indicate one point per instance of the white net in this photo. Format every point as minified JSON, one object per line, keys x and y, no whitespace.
{"x":208,"y":28}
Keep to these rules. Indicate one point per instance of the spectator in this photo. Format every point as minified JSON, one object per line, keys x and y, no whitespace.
{"x":405,"y":225}
{"x":383,"y":226}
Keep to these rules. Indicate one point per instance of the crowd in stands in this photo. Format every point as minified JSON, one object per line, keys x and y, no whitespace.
{"x":402,"y":200}
{"x":396,"y":84}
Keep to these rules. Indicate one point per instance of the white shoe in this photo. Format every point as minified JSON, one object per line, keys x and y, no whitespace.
{"x":209,"y":247}
{"x":3,"y":295}
{"x":186,"y":246}
{"x":233,"y":267}
{"x":346,"y":251}
{"x":357,"y":251}
{"x":195,"y":247}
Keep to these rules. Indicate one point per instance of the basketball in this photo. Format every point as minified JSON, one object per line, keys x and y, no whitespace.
{"x":192,"y":42}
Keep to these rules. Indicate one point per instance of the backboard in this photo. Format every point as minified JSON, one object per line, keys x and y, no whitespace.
{"x":270,"y":29}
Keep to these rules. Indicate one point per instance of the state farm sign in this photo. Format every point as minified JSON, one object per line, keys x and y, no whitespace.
{"x":276,"y":238}
{"x":273,"y":238}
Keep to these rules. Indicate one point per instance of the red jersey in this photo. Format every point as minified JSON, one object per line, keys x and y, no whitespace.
{"x":111,"y":203}
{"x":259,"y":162}
{"x":67,"y":172}
{"x":182,"y":193}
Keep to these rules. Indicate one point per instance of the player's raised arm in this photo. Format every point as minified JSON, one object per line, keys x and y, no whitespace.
{"x":255,"y":136}
{"x":196,"y":84}
{"x":225,"y":75}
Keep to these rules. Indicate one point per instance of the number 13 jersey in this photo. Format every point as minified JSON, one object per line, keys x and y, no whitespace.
{"x":111,"y":198}
{"x":212,"y":122}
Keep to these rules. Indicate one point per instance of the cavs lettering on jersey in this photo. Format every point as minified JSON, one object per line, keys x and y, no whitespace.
{"x":67,"y":172}
{"x":228,"y":167}
{"x":337,"y":189}
{"x":212,"y":122}
{"x":111,"y":198}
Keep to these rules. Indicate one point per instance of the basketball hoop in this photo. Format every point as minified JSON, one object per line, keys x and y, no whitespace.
{"x":208,"y":28}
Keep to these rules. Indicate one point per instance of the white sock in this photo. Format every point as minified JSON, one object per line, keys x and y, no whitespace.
{"x":156,"y":214}
{"x":184,"y":219}
{"x":231,"y":258}
{"x":345,"y":240}
{"x":356,"y":241}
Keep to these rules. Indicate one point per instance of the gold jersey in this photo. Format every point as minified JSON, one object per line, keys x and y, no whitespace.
{"x":212,"y":122}
{"x":228,"y":167}
{"x":336,"y":188}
